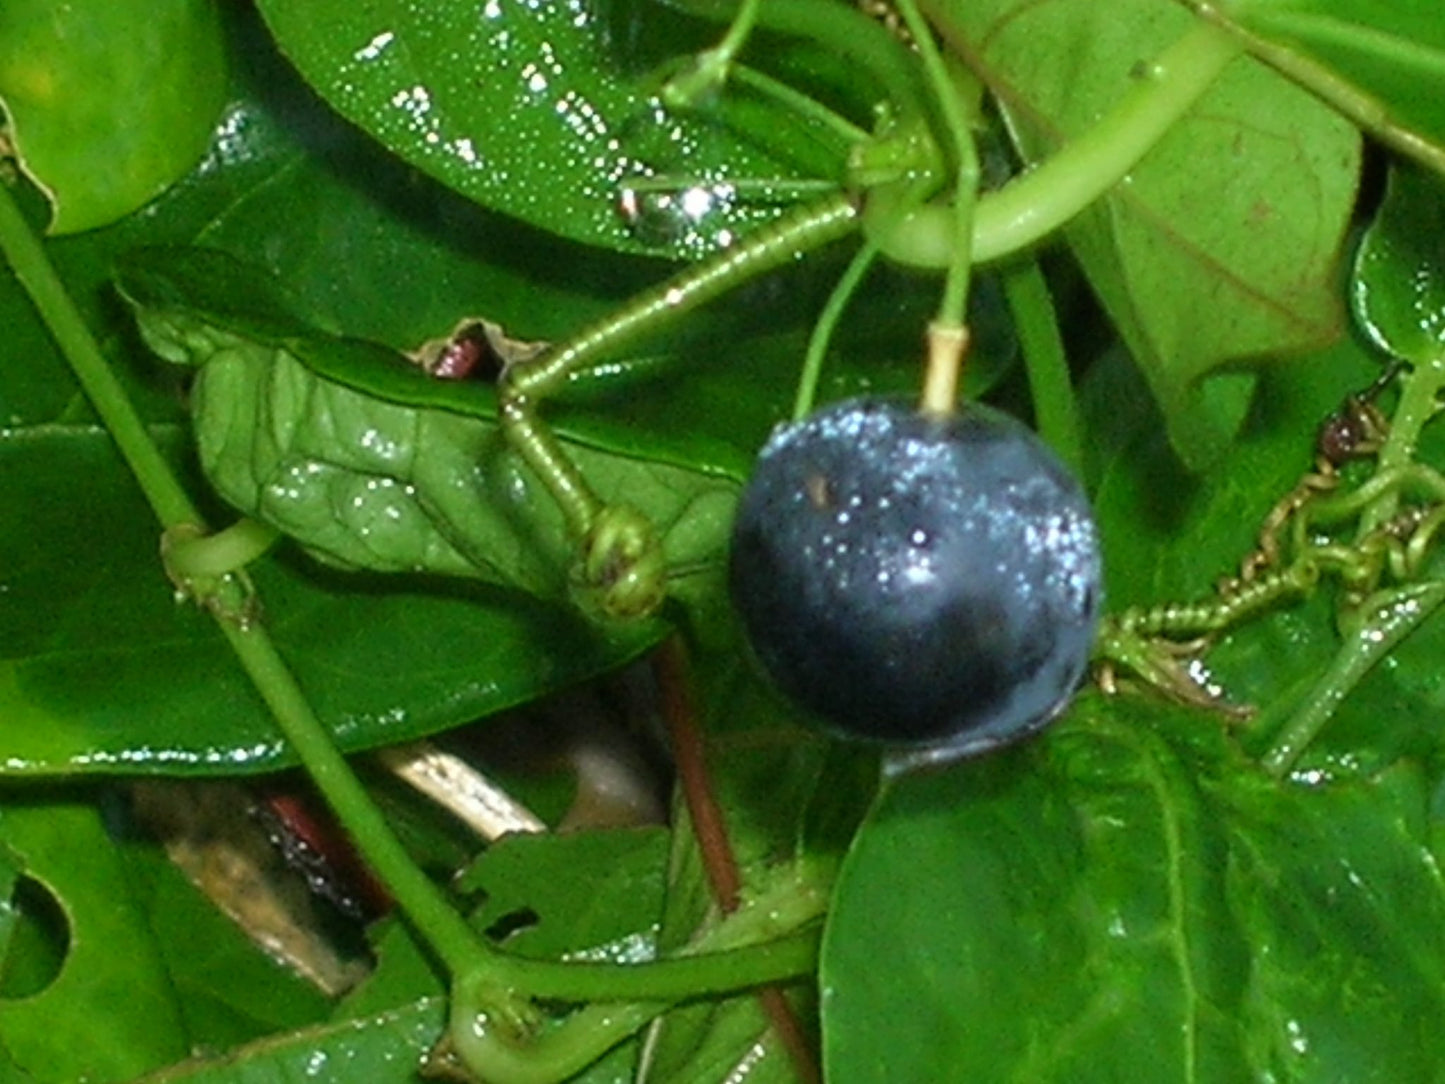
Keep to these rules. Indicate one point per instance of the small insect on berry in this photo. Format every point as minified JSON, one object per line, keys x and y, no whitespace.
{"x":917,"y":581}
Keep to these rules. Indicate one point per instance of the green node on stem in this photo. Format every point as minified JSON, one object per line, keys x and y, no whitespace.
{"x":622,"y":569}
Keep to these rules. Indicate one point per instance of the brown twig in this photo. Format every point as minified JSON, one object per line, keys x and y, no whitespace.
{"x":679,"y":711}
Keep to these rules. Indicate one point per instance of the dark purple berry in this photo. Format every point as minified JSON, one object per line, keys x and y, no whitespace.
{"x":917,"y":580}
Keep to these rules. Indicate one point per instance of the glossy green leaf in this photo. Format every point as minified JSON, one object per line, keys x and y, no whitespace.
{"x":1169,"y":535}
{"x":109,"y":102}
{"x":530,"y":109}
{"x":1398,"y":288}
{"x":385,"y":1048}
{"x":389,"y":471}
{"x":1223,"y":244}
{"x":1130,"y":892}
{"x":101,"y":669}
{"x":107,"y":1016}
{"x":1382,"y":64}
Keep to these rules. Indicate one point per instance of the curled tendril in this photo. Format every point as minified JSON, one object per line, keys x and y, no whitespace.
{"x":622,"y":568}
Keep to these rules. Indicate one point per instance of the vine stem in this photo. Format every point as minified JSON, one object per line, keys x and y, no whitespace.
{"x":1056,"y":410}
{"x":1392,"y":618}
{"x":1082,"y":170}
{"x":726,"y":959}
{"x":1419,"y":402}
{"x":27,"y":259}
{"x":1392,"y":615}
{"x":422,"y":902}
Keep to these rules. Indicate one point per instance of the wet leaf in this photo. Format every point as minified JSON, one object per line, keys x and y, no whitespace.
{"x":529,"y":109}
{"x":1398,"y":287}
{"x":370,"y":464}
{"x":1130,"y":891}
{"x":101,"y":670}
{"x":384,"y":1048}
{"x":107,"y":1015}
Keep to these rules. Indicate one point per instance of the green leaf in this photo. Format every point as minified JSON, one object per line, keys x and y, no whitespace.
{"x":1129,"y":891}
{"x":529,"y":109}
{"x":1383,"y":65}
{"x":109,"y":102}
{"x":1222,"y":246}
{"x":102,"y":671}
{"x":1398,"y":288}
{"x":369,"y":463}
{"x":385,"y":1048}
{"x":108,"y":1015}
{"x":1169,"y":535}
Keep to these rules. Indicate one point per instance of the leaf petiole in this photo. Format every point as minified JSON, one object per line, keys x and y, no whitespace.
{"x":1056,"y":410}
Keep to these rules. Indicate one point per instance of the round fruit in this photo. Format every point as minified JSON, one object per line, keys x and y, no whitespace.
{"x":917,"y":580}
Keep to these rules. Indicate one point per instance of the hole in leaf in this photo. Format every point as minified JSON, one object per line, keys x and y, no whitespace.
{"x":34,"y":938}
{"x":513,"y":922}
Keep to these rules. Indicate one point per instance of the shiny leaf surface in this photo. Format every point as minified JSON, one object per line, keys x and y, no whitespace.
{"x":1398,"y":289}
{"x":1129,"y":891}
{"x":119,"y":677}
{"x":528,"y":109}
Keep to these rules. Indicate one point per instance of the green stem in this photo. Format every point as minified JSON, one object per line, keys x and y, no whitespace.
{"x":23,"y":250}
{"x":1040,"y":201}
{"x":1056,"y":411}
{"x":422,"y":901}
{"x":721,"y":972}
{"x":1393,"y":618}
{"x":1419,"y":402}
{"x":709,"y":70}
{"x":952,"y":311}
{"x":779,"y":243}
{"x":189,"y":553}
{"x":838,"y":28}
{"x":458,"y":946}
{"x":827,"y":322}
{"x":800,"y":103}
{"x":502,"y":1055}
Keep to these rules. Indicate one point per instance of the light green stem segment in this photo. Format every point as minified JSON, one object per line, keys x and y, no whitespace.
{"x":492,"y":1046}
{"x":823,"y":329}
{"x":773,"y":246}
{"x":1042,"y":200}
{"x":953,"y":307}
{"x":1390,"y":619}
{"x":1056,"y":410}
{"x":423,"y":903}
{"x":32,"y":267}
{"x":193,"y":554}
{"x":1419,"y":402}
{"x":710,"y":69}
